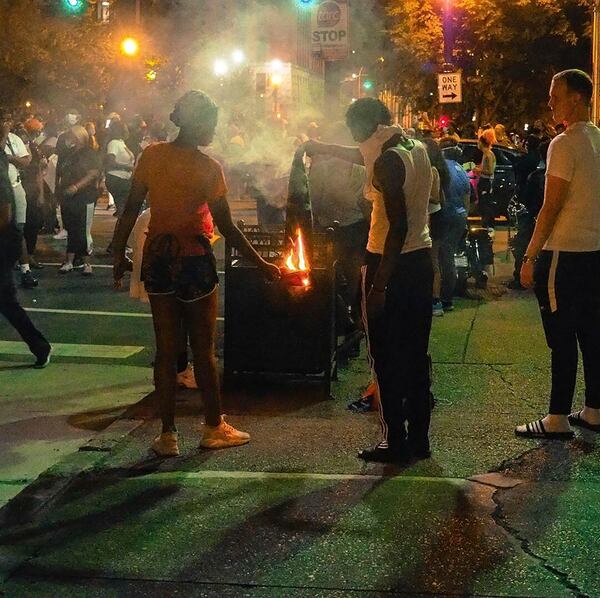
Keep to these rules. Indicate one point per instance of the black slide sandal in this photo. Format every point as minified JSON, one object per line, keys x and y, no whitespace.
{"x":575,"y":419}
{"x":536,"y":430}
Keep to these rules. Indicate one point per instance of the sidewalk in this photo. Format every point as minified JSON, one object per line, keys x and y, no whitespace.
{"x":295,"y":513}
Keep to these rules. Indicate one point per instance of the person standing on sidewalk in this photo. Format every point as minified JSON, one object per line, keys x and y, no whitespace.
{"x":562,"y":261}
{"x":10,"y":248}
{"x":397,"y":283}
{"x":186,"y":190}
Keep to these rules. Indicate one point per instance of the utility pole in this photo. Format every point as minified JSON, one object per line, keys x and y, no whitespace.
{"x":596,"y":62}
{"x":138,"y":12}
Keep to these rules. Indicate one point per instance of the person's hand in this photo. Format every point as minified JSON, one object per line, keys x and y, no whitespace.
{"x":375,"y":303}
{"x":270,"y":271}
{"x":121,"y":265}
{"x":527,"y":274}
{"x":70,"y":190}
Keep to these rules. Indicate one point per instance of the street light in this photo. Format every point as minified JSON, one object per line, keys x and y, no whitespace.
{"x":130,"y":46}
{"x":238,"y":57}
{"x":220,"y":67}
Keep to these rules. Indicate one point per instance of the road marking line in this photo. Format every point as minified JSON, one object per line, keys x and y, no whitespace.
{"x":75,"y":350}
{"x":271,"y":475}
{"x":105,"y":266}
{"x":80,"y":312}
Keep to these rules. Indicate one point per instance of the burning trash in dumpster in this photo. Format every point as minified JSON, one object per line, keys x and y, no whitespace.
{"x":296,"y":268}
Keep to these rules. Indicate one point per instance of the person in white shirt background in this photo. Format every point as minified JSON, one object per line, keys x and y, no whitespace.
{"x":18,"y":158}
{"x":119,"y":164}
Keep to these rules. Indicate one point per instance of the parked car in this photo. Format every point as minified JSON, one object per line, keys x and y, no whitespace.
{"x":504,"y":179}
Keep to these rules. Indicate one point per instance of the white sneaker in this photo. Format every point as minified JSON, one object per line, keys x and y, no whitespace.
{"x":87,"y":270}
{"x":223,"y":436}
{"x":61,"y":235}
{"x":165,"y":445}
{"x":66,"y":267}
{"x":186,"y":379}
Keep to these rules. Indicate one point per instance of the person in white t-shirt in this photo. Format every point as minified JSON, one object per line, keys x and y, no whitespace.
{"x":18,"y":159}
{"x":562,"y":261}
{"x":119,"y":164}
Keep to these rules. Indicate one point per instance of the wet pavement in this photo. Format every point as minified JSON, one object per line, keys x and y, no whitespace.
{"x":294,"y":513}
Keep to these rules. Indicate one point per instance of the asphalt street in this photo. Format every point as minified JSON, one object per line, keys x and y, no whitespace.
{"x":89,"y":512}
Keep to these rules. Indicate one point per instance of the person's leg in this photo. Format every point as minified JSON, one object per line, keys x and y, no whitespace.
{"x":166,"y":316}
{"x":437,"y":276}
{"x":456,"y":229}
{"x":588,"y":334}
{"x":18,"y":318}
{"x":201,"y":322}
{"x":555,"y":292}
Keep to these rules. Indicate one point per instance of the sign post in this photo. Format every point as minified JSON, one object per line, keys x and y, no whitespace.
{"x":450,"y":88}
{"x":330,"y":29}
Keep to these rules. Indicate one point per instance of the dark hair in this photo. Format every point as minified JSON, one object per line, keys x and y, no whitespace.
{"x":158,"y":130}
{"x":453,"y":152}
{"x":368,"y":112}
{"x":195,"y":107}
{"x":437,"y":160}
{"x":117,"y":130}
{"x":577,"y":82}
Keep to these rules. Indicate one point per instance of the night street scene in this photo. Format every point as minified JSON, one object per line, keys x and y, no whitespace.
{"x":299,"y":298}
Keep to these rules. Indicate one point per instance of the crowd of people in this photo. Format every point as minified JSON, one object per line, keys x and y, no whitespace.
{"x":401,"y":195}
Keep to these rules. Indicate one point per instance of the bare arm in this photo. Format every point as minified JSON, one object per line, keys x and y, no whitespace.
{"x":554,"y":200}
{"x":126,"y":222}
{"x":20,"y":162}
{"x":221,"y":214}
{"x":389,"y":176}
{"x":343,"y":152}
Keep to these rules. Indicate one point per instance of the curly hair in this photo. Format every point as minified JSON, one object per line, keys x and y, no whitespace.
{"x":368,"y":111}
{"x":195,"y":107}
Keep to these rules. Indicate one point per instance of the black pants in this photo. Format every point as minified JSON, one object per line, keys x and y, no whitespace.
{"x":119,"y":189}
{"x":16,"y":315}
{"x":398,"y":348}
{"x":74,"y":215}
{"x":33,"y":225}
{"x":525,"y":228}
{"x":487,"y":205}
{"x":567,"y":286}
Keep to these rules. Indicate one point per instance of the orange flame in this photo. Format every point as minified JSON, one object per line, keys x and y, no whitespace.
{"x":296,"y":260}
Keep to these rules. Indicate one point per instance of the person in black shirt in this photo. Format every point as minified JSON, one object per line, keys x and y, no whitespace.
{"x":77,"y":178}
{"x":531,"y":195}
{"x":10,"y":249}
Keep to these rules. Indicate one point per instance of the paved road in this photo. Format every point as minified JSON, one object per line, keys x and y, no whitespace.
{"x":294,"y":513}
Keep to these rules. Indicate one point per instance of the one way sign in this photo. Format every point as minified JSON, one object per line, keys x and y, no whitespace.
{"x":450,"y":88}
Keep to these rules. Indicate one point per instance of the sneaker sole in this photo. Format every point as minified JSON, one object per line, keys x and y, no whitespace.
{"x":219,"y":444}
{"x":159,"y":453}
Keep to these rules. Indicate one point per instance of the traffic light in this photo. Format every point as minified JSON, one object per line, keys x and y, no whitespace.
{"x":444,"y":122}
{"x":75,"y":7}
{"x":130,"y":47}
{"x":368,"y":84}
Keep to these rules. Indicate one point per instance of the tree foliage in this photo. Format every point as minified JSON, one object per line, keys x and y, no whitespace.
{"x":507,"y":49}
{"x":51,"y":57}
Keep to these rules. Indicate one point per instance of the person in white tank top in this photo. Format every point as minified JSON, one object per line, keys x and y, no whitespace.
{"x":397,"y":276}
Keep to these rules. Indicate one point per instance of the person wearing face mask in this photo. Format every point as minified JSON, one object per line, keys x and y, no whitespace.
{"x":77,"y":190}
{"x":397,"y":283}
{"x":62,"y":149}
{"x":186,"y":190}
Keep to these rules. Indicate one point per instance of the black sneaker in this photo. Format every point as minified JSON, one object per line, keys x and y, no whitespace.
{"x":382,"y":453}
{"x":43,"y":359}
{"x":447,"y":306}
{"x":78,"y":263}
{"x":515,"y":285}
{"x":28,"y":281}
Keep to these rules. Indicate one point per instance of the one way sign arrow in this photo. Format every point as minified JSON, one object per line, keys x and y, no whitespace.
{"x":452,"y":95}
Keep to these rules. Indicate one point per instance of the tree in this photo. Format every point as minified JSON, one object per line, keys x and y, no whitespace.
{"x":507,"y":49}
{"x":50,"y":58}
